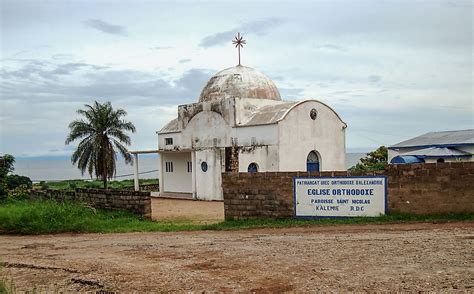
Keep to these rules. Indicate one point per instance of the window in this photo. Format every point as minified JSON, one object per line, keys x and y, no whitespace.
{"x":169,"y":141}
{"x":169,"y":166}
{"x":440,"y":160}
{"x":253,"y":168}
{"x":312,"y":162}
{"x":313,"y":114}
{"x":204,"y":166}
{"x":190,"y":166}
{"x":214,"y":142}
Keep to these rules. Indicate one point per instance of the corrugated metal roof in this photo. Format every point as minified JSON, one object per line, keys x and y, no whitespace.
{"x":170,"y":127}
{"x":268,"y":114}
{"x":438,"y":152}
{"x":439,"y":138}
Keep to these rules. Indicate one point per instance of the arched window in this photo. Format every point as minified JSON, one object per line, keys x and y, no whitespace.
{"x":441,"y":160}
{"x":312,"y":162}
{"x":253,"y":168}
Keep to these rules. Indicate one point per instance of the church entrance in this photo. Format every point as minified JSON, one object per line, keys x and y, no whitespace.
{"x":312,"y":162}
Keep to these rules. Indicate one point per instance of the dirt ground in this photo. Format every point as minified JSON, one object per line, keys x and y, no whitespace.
{"x":396,"y":257}
{"x":202,"y":212}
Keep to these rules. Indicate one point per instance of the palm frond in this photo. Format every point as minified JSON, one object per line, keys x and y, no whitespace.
{"x":102,"y":131}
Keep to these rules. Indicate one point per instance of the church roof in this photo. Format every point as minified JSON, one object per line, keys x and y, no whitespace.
{"x":268,"y":114}
{"x":439,"y":139}
{"x":239,"y":81}
{"x":170,"y":127}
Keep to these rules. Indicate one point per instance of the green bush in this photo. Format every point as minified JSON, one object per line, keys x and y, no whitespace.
{"x":374,"y":160}
{"x":15,"y":181}
{"x":43,"y":216}
{"x":44,"y":185}
{"x":21,"y":192}
{"x":3,"y":193}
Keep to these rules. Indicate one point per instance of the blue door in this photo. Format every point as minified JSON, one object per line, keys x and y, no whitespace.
{"x":312,"y":162}
{"x":312,"y":166}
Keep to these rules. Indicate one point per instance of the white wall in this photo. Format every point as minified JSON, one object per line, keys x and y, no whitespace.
{"x":208,"y":184}
{"x":180,"y":180}
{"x":264,"y":135}
{"x":203,"y":128}
{"x":299,"y":135}
{"x":162,"y":143}
{"x":266,"y":157}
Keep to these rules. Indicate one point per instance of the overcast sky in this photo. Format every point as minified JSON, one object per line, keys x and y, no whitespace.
{"x":391,"y":69}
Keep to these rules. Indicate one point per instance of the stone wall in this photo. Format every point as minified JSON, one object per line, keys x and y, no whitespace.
{"x":419,"y":189}
{"x":136,"y":202}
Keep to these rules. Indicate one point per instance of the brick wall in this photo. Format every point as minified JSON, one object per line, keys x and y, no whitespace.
{"x":145,"y":187}
{"x":431,"y":188}
{"x":420,"y":189}
{"x":136,"y":202}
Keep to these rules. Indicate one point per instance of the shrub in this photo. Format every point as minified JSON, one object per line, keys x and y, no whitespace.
{"x":14,"y":181}
{"x":21,"y":192}
{"x":374,"y":160}
{"x":3,"y":193}
{"x":44,"y":185}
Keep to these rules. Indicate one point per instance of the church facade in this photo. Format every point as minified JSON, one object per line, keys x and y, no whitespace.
{"x":241,"y":124}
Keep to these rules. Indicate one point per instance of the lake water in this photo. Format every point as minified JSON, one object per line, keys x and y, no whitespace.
{"x":56,"y":169}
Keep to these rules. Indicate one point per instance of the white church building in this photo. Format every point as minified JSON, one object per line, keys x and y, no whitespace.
{"x":241,"y":124}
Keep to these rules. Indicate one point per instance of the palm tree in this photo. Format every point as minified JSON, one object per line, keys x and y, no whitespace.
{"x":102,"y":130}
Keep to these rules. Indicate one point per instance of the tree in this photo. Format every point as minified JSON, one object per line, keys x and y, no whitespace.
{"x":6,"y":166}
{"x":374,"y":160}
{"x":102,"y":131}
{"x":6,"y":163}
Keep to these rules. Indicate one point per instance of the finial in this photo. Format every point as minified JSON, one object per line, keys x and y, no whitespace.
{"x":239,"y":42}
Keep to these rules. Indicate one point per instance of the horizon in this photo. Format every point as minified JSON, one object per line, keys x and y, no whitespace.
{"x":389,"y":80}
{"x":64,"y":157}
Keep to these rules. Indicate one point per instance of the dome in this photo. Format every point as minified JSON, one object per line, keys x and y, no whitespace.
{"x":239,"y":81}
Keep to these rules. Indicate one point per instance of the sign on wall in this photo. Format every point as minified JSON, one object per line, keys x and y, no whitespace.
{"x":340,"y":196}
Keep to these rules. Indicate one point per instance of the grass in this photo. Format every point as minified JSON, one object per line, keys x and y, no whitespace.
{"x":44,"y":217}
{"x":72,"y":184}
{"x":3,"y":288}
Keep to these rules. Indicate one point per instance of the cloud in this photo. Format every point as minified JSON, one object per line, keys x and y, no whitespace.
{"x":161,"y":47}
{"x":330,"y":47}
{"x":374,"y":78}
{"x":259,"y":28}
{"x":43,"y":81}
{"x":68,"y":68}
{"x":50,"y":94}
{"x":184,"y":60}
{"x":291,"y":93}
{"x":32,"y":69}
{"x":60,"y":56}
{"x":105,"y":27}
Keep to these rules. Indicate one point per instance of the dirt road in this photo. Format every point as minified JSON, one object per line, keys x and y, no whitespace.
{"x":199,"y":212}
{"x":350,"y":257}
